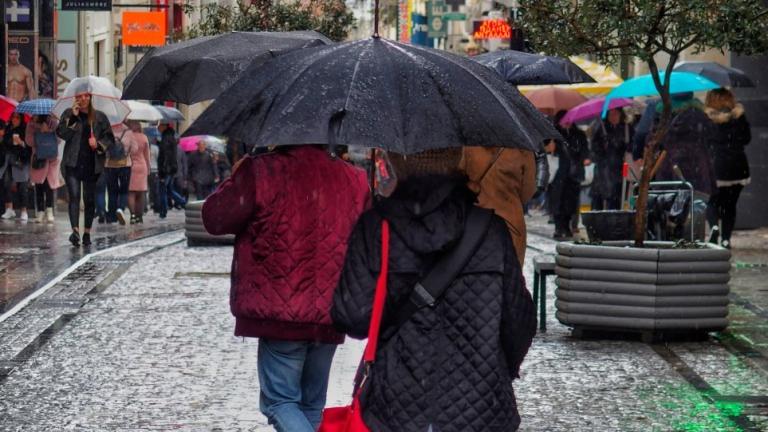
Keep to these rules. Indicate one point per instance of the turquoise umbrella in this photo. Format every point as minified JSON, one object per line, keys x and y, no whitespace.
{"x":681,"y":82}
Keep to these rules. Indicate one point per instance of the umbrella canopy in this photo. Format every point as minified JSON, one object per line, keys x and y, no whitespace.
{"x":169,"y":114}
{"x":200,"y":69}
{"x":592,"y":109}
{"x":213,"y":143}
{"x":7,"y":107}
{"x":105,"y":97}
{"x":605,"y":79}
{"x":680,"y":82}
{"x":374,"y":93}
{"x":520,"y":68}
{"x":723,"y":75}
{"x":36,"y":106}
{"x":555,"y":99}
{"x":142,"y":111}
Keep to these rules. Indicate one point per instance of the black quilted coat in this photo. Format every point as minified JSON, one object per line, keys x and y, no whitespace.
{"x":450,"y":366}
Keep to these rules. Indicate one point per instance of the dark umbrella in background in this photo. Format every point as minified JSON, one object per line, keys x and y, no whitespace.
{"x":723,"y":75}
{"x":200,"y":69}
{"x":520,"y":68}
{"x":374,"y":93}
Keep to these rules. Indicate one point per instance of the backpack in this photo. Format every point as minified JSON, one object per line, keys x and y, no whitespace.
{"x":118,"y":150}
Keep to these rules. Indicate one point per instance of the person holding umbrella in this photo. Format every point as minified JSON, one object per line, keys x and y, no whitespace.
{"x":18,"y":157}
{"x":87,"y":135}
{"x":166,"y":165}
{"x":203,"y":171}
{"x":610,"y":142}
{"x":45,"y":163}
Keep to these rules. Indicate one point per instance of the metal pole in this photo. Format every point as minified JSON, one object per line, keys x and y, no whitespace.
{"x":376,"y":19}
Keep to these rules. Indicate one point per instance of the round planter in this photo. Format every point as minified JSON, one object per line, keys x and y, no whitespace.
{"x":195,"y":231}
{"x":617,"y":287}
{"x":609,"y":224}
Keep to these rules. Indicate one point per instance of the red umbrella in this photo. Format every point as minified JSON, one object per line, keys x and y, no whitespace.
{"x":555,"y":99}
{"x":7,"y":107}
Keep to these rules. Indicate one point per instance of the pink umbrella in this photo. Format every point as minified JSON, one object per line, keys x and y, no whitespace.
{"x":554,"y":99}
{"x":189,"y":143}
{"x":592,"y":109}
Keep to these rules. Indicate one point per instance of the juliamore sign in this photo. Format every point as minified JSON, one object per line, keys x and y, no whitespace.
{"x":91,"y":5}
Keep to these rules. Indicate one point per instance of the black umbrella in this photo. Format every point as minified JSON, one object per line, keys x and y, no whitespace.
{"x":520,"y":68}
{"x":374,"y":93}
{"x":200,"y":69}
{"x":723,"y":75}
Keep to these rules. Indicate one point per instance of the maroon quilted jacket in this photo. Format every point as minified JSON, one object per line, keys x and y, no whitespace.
{"x":292,"y":212}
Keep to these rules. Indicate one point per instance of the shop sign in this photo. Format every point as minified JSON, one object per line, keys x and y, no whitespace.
{"x":404,"y":24}
{"x":492,"y":29}
{"x":86,"y":5}
{"x":437,"y":25}
{"x":144,"y":28}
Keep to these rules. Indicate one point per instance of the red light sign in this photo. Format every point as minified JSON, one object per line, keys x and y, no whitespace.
{"x":493,"y":29}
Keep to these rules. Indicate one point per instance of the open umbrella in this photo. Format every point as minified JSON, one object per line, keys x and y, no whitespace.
{"x":723,"y":75}
{"x":169,"y":113}
{"x":592,"y":109}
{"x":142,"y":111}
{"x":374,"y":93}
{"x":680,"y":82}
{"x":7,"y":107}
{"x":521,"y":68}
{"x":200,"y":69}
{"x":555,"y":99}
{"x":605,"y":79}
{"x":36,"y":106}
{"x":105,"y":97}
{"x":213,"y":143}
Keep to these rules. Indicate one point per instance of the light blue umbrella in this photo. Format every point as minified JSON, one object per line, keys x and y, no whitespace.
{"x":681,"y":82}
{"x":36,"y":106}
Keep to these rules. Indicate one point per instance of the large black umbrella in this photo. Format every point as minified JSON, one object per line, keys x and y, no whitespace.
{"x":723,"y":75}
{"x":374,"y":93}
{"x":200,"y":69}
{"x":520,"y":68}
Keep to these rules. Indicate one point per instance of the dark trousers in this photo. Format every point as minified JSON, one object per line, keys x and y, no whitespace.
{"x":101,"y":196}
{"x":21,"y":195}
{"x":203,"y":190}
{"x":75,"y":186}
{"x":5,"y":187}
{"x":44,"y":196}
{"x":118,"y":180}
{"x":153,"y":193}
{"x":722,"y":207}
{"x":565,"y":199}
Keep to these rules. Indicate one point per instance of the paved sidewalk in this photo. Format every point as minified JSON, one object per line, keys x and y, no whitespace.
{"x":145,"y":344}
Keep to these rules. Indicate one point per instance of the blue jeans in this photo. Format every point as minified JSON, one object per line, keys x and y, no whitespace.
{"x":101,"y":193}
{"x":294,"y":380}
{"x":165,"y":190}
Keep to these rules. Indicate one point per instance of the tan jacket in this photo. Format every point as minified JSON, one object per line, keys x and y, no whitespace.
{"x":504,"y":179}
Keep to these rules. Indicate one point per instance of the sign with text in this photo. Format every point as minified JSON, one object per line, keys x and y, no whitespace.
{"x":420,"y":30}
{"x":437,"y":26}
{"x":66,"y":64}
{"x":144,"y":28}
{"x":492,"y":29}
{"x":404,"y":10}
{"x":86,"y":5}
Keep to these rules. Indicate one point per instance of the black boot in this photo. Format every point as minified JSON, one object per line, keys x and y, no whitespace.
{"x":74,"y":238}
{"x":87,"y":239}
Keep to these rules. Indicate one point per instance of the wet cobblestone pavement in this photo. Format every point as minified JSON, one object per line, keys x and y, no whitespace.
{"x":141,"y":340}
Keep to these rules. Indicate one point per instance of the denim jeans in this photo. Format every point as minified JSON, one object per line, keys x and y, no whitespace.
{"x":166,"y":190}
{"x":118,"y":180}
{"x":100,"y":196}
{"x":294,"y":380}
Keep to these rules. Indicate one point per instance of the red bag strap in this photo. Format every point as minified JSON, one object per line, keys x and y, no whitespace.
{"x":379,"y":297}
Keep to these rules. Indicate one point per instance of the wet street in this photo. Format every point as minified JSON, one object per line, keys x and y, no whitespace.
{"x":139,"y":338}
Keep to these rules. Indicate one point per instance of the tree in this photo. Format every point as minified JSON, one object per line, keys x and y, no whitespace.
{"x":612,"y":29}
{"x":329,"y":17}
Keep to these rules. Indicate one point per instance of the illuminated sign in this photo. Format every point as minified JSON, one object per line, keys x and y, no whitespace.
{"x":404,"y":23}
{"x":493,"y":29}
{"x":144,"y":28}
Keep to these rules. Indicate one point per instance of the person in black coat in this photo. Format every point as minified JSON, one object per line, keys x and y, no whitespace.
{"x":450,"y":367}
{"x":612,"y":139}
{"x":167,"y":165}
{"x":730,"y":134}
{"x":573,"y":154}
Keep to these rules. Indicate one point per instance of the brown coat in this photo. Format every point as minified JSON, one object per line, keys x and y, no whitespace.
{"x":504,"y":184}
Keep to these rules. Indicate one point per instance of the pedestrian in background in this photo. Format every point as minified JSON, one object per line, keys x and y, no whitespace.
{"x":462,"y":352}
{"x":153,"y":135}
{"x":178,"y":192}
{"x":166,"y":165}
{"x":223,"y":166}
{"x":572,"y":156}
{"x":291,"y":228}
{"x":19,"y":157}
{"x":45,"y":172}
{"x":5,"y":173}
{"x":87,"y":135}
{"x":117,"y":173}
{"x":139,"y":154}
{"x":731,"y":133}
{"x":610,"y":143}
{"x":202,"y":171}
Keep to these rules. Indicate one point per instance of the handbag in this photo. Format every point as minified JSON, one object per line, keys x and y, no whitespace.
{"x":46,"y":145}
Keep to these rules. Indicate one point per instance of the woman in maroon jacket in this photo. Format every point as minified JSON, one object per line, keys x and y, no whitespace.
{"x":292,"y":211}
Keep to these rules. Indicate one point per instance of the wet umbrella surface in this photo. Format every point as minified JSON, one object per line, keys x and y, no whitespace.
{"x":201,"y":68}
{"x":374,"y":93}
{"x":521,"y":68}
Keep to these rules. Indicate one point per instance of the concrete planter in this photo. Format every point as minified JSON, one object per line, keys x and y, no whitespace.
{"x":654,"y":289}
{"x":195,"y":231}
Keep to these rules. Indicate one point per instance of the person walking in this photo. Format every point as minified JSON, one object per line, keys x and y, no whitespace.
{"x":731,"y":133}
{"x":610,"y":143}
{"x":202,"y":171}
{"x":291,"y":228}
{"x":140,"y":168}
{"x":572,"y":156}
{"x":178,"y":191}
{"x":117,"y":173}
{"x":463,"y":351}
{"x":223,"y":167}
{"x":5,"y":174}
{"x":45,"y":171}
{"x":87,"y":135}
{"x":166,"y":165}
{"x":19,"y":157}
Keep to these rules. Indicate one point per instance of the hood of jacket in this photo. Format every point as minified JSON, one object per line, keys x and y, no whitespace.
{"x":428,"y":212}
{"x":722,"y":117}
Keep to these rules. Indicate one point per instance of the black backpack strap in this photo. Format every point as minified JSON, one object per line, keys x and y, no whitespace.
{"x":447,"y":268}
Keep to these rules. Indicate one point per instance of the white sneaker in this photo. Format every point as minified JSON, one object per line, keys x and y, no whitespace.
{"x":39,"y":217}
{"x":9,"y":214}
{"x":49,"y":215}
{"x":120,"y":216}
{"x":24,"y":216}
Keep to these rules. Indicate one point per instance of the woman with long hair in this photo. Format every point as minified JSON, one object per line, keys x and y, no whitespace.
{"x":87,"y":135}
{"x":18,"y":156}
{"x":731,"y":134}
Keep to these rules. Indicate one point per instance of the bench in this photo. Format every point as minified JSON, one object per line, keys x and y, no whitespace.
{"x":543,"y":266}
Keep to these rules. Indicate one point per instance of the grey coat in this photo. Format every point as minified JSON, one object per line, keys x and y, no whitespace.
{"x":70,"y":130}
